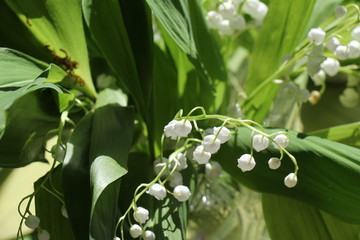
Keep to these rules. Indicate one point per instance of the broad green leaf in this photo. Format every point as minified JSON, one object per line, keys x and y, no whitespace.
{"x":111,"y":96}
{"x":280,"y":34}
{"x":326,"y":178}
{"x":290,"y":219}
{"x":115,"y":44}
{"x":58,"y":25}
{"x":111,"y":139}
{"x":348,"y":134}
{"x":18,"y":69}
{"x":76,"y":178}
{"x":48,"y":207}
{"x":14,"y":33}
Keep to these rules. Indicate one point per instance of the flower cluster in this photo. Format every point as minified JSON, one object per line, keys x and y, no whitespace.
{"x":228,"y":17}
{"x":338,"y":49}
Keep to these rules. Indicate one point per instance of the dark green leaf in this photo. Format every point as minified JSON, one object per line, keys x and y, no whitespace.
{"x":326,"y":179}
{"x":290,"y":219}
{"x":76,"y":178}
{"x":48,"y":208}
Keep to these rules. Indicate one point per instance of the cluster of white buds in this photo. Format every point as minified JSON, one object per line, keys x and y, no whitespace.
{"x":260,"y":142}
{"x":33,"y":222}
{"x":141,"y":215}
{"x":229,"y":15}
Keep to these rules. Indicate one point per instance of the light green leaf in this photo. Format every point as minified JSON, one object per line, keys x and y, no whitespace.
{"x":48,"y":208}
{"x":111,"y":96}
{"x":348,"y":134}
{"x":290,"y":219}
{"x":58,"y":25}
{"x":280,"y":34}
{"x":326,"y":178}
{"x":18,"y":69}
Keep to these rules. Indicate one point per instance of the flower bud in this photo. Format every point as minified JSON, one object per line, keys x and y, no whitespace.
{"x":182,"y":161}
{"x":246,"y":162}
{"x":355,"y":33}
{"x":222,"y":133}
{"x":200,"y":155}
{"x":213,"y":19}
{"x":211,"y":144}
{"x":349,"y":98}
{"x":260,"y":142}
{"x":135,"y":231}
{"x":227,"y":9}
{"x":330,"y":66}
{"x":290,"y":180}
{"x":158,"y":191}
{"x":176,"y":179}
{"x":341,"y":52}
{"x":282,"y":140}
{"x":32,"y":221}
{"x":319,"y":78}
{"x":354,"y":49}
{"x":182,"y":193}
{"x":213,"y":170}
{"x":274,"y":163}
{"x":314,"y":97}
{"x":149,"y":235}
{"x":43,"y":235}
{"x":332,"y":44}
{"x":340,"y":11}
{"x":316,"y":35}
{"x":141,"y":215}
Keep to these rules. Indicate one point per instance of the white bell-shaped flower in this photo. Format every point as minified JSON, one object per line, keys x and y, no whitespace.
{"x":175,"y":179}
{"x":316,"y":36}
{"x":260,"y":142}
{"x":354,"y":49}
{"x":290,"y":180}
{"x":32,"y":221}
{"x":355,"y":33}
{"x":211,"y":143}
{"x":182,"y":161}
{"x":222,"y":133}
{"x":169,"y":130}
{"x":246,"y":162}
{"x":213,"y":19}
{"x":135,"y":231}
{"x":319,"y":78}
{"x":182,"y":193}
{"x":282,"y":140}
{"x":260,"y":13}
{"x":349,"y":98}
{"x":141,"y":215}
{"x":183,"y":127}
{"x":332,"y":44}
{"x":43,"y":235}
{"x":330,"y":66}
{"x":255,"y":9}
{"x":64,"y":211}
{"x":116,"y":238}
{"x":148,"y":235}
{"x":213,"y":170}
{"x":225,"y":28}
{"x":274,"y":163}
{"x":340,"y":11}
{"x":237,"y":23}
{"x":341,"y":52}
{"x":158,"y":191}
{"x":200,"y":155}
{"x":227,"y":9}
{"x":159,"y":164}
